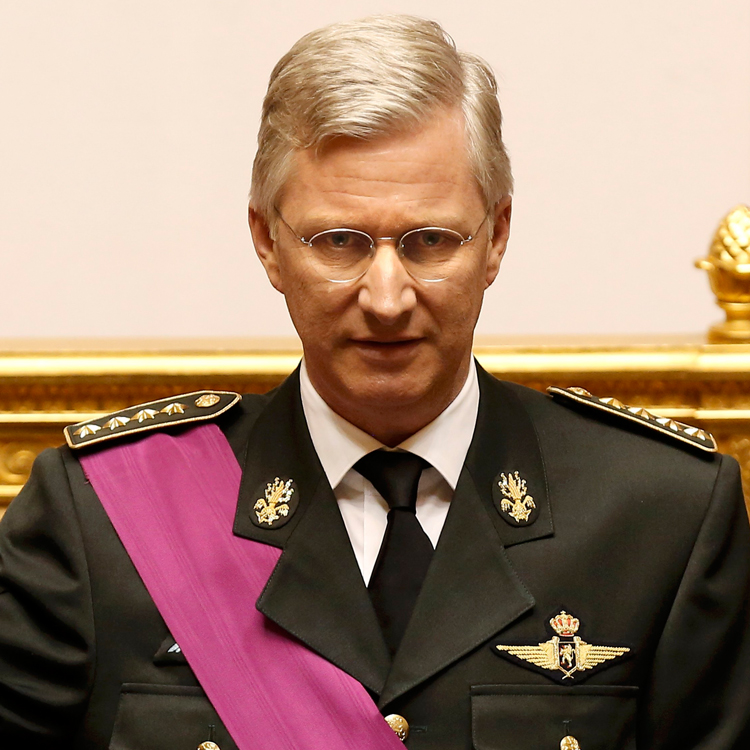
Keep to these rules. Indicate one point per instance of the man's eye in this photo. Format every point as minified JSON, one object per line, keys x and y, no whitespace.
{"x":340,"y":239}
{"x":349,"y":240}
{"x":336,"y":243}
{"x":431,"y":239}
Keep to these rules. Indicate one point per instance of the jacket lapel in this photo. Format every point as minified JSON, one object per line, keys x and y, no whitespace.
{"x":316,"y":591}
{"x":471,"y":591}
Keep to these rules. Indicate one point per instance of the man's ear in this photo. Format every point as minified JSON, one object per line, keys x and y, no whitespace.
{"x":265,"y":246}
{"x":499,"y":239}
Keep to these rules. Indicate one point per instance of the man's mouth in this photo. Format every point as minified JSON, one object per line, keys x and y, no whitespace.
{"x":388,"y":342}
{"x":387,"y":345}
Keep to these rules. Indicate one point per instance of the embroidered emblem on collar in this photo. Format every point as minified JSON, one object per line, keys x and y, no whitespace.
{"x":565,"y":653}
{"x":512,"y":499}
{"x":277,"y":505}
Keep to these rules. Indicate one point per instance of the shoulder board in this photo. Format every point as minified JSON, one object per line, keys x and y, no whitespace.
{"x":677,"y":430}
{"x":176,"y":410}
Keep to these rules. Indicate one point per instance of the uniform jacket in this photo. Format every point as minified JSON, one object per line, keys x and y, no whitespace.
{"x":642,"y":539}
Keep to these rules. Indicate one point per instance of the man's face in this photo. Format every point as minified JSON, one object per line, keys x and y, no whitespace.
{"x":387,"y":352}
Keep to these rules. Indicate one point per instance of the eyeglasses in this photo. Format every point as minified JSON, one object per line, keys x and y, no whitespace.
{"x":342,"y":255}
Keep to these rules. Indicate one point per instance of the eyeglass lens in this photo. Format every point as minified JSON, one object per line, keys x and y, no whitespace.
{"x":344,"y":254}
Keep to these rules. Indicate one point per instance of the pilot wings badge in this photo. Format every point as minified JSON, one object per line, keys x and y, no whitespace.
{"x":565,"y":653}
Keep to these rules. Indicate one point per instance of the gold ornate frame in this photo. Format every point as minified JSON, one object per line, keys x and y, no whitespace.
{"x":46,"y":385}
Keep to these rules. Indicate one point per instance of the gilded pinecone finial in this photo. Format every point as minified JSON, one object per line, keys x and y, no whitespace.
{"x":728,"y":266}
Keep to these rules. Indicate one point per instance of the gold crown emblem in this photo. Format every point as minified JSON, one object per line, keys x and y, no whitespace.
{"x":565,"y":624}
{"x":566,"y":652}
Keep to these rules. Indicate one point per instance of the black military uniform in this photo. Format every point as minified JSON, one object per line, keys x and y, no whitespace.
{"x":592,"y":581}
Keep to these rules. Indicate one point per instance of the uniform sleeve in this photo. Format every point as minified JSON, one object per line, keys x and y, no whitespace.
{"x":700,"y":683}
{"x":46,"y":624}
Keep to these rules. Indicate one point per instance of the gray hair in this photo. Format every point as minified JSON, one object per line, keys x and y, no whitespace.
{"x":369,"y":78}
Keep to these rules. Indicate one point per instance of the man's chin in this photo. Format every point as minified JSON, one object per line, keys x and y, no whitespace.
{"x":390,"y":389}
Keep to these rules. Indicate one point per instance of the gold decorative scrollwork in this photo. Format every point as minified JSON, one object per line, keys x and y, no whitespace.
{"x":16,"y":459}
{"x":739,"y":447}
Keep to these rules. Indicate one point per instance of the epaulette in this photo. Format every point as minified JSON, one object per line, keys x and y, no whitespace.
{"x":671,"y":427}
{"x":176,"y":410}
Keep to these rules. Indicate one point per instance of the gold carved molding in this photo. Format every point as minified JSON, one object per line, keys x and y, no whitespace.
{"x":46,"y":385}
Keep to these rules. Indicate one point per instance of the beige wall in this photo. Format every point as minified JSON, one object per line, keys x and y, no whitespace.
{"x":127,"y":134}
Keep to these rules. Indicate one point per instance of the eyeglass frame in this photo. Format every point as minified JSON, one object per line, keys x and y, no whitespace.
{"x":375,"y":240}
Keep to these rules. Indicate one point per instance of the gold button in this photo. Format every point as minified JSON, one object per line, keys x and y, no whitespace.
{"x":399,"y":725}
{"x":206,"y":400}
{"x":569,"y":743}
{"x":208,"y":746}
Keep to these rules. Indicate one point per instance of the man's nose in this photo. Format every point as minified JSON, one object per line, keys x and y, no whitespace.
{"x":387,"y":290}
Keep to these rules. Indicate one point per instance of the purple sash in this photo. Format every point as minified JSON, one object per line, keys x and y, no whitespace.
{"x":172,"y":502}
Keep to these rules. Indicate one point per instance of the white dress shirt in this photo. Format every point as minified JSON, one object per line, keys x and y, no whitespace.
{"x":444,"y":443}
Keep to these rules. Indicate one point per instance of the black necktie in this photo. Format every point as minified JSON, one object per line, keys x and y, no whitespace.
{"x":406,"y":550}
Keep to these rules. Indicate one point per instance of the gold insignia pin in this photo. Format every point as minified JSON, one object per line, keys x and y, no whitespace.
{"x":517,"y":503}
{"x":275,"y":504}
{"x":145,"y":414}
{"x":116,"y":422}
{"x":87,"y":429}
{"x":175,"y":408}
{"x":566,"y":652}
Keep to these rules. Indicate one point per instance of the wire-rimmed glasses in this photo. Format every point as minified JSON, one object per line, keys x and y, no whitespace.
{"x":343,"y":255}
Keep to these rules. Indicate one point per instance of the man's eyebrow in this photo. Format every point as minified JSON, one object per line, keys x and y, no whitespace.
{"x":322,"y":222}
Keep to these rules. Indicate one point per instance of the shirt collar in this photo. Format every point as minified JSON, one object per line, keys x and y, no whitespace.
{"x":444,"y":442}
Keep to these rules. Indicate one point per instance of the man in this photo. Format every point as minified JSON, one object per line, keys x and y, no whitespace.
{"x":589,"y":582}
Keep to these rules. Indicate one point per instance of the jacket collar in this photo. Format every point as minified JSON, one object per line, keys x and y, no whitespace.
{"x":505,"y":442}
{"x":471,"y":591}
